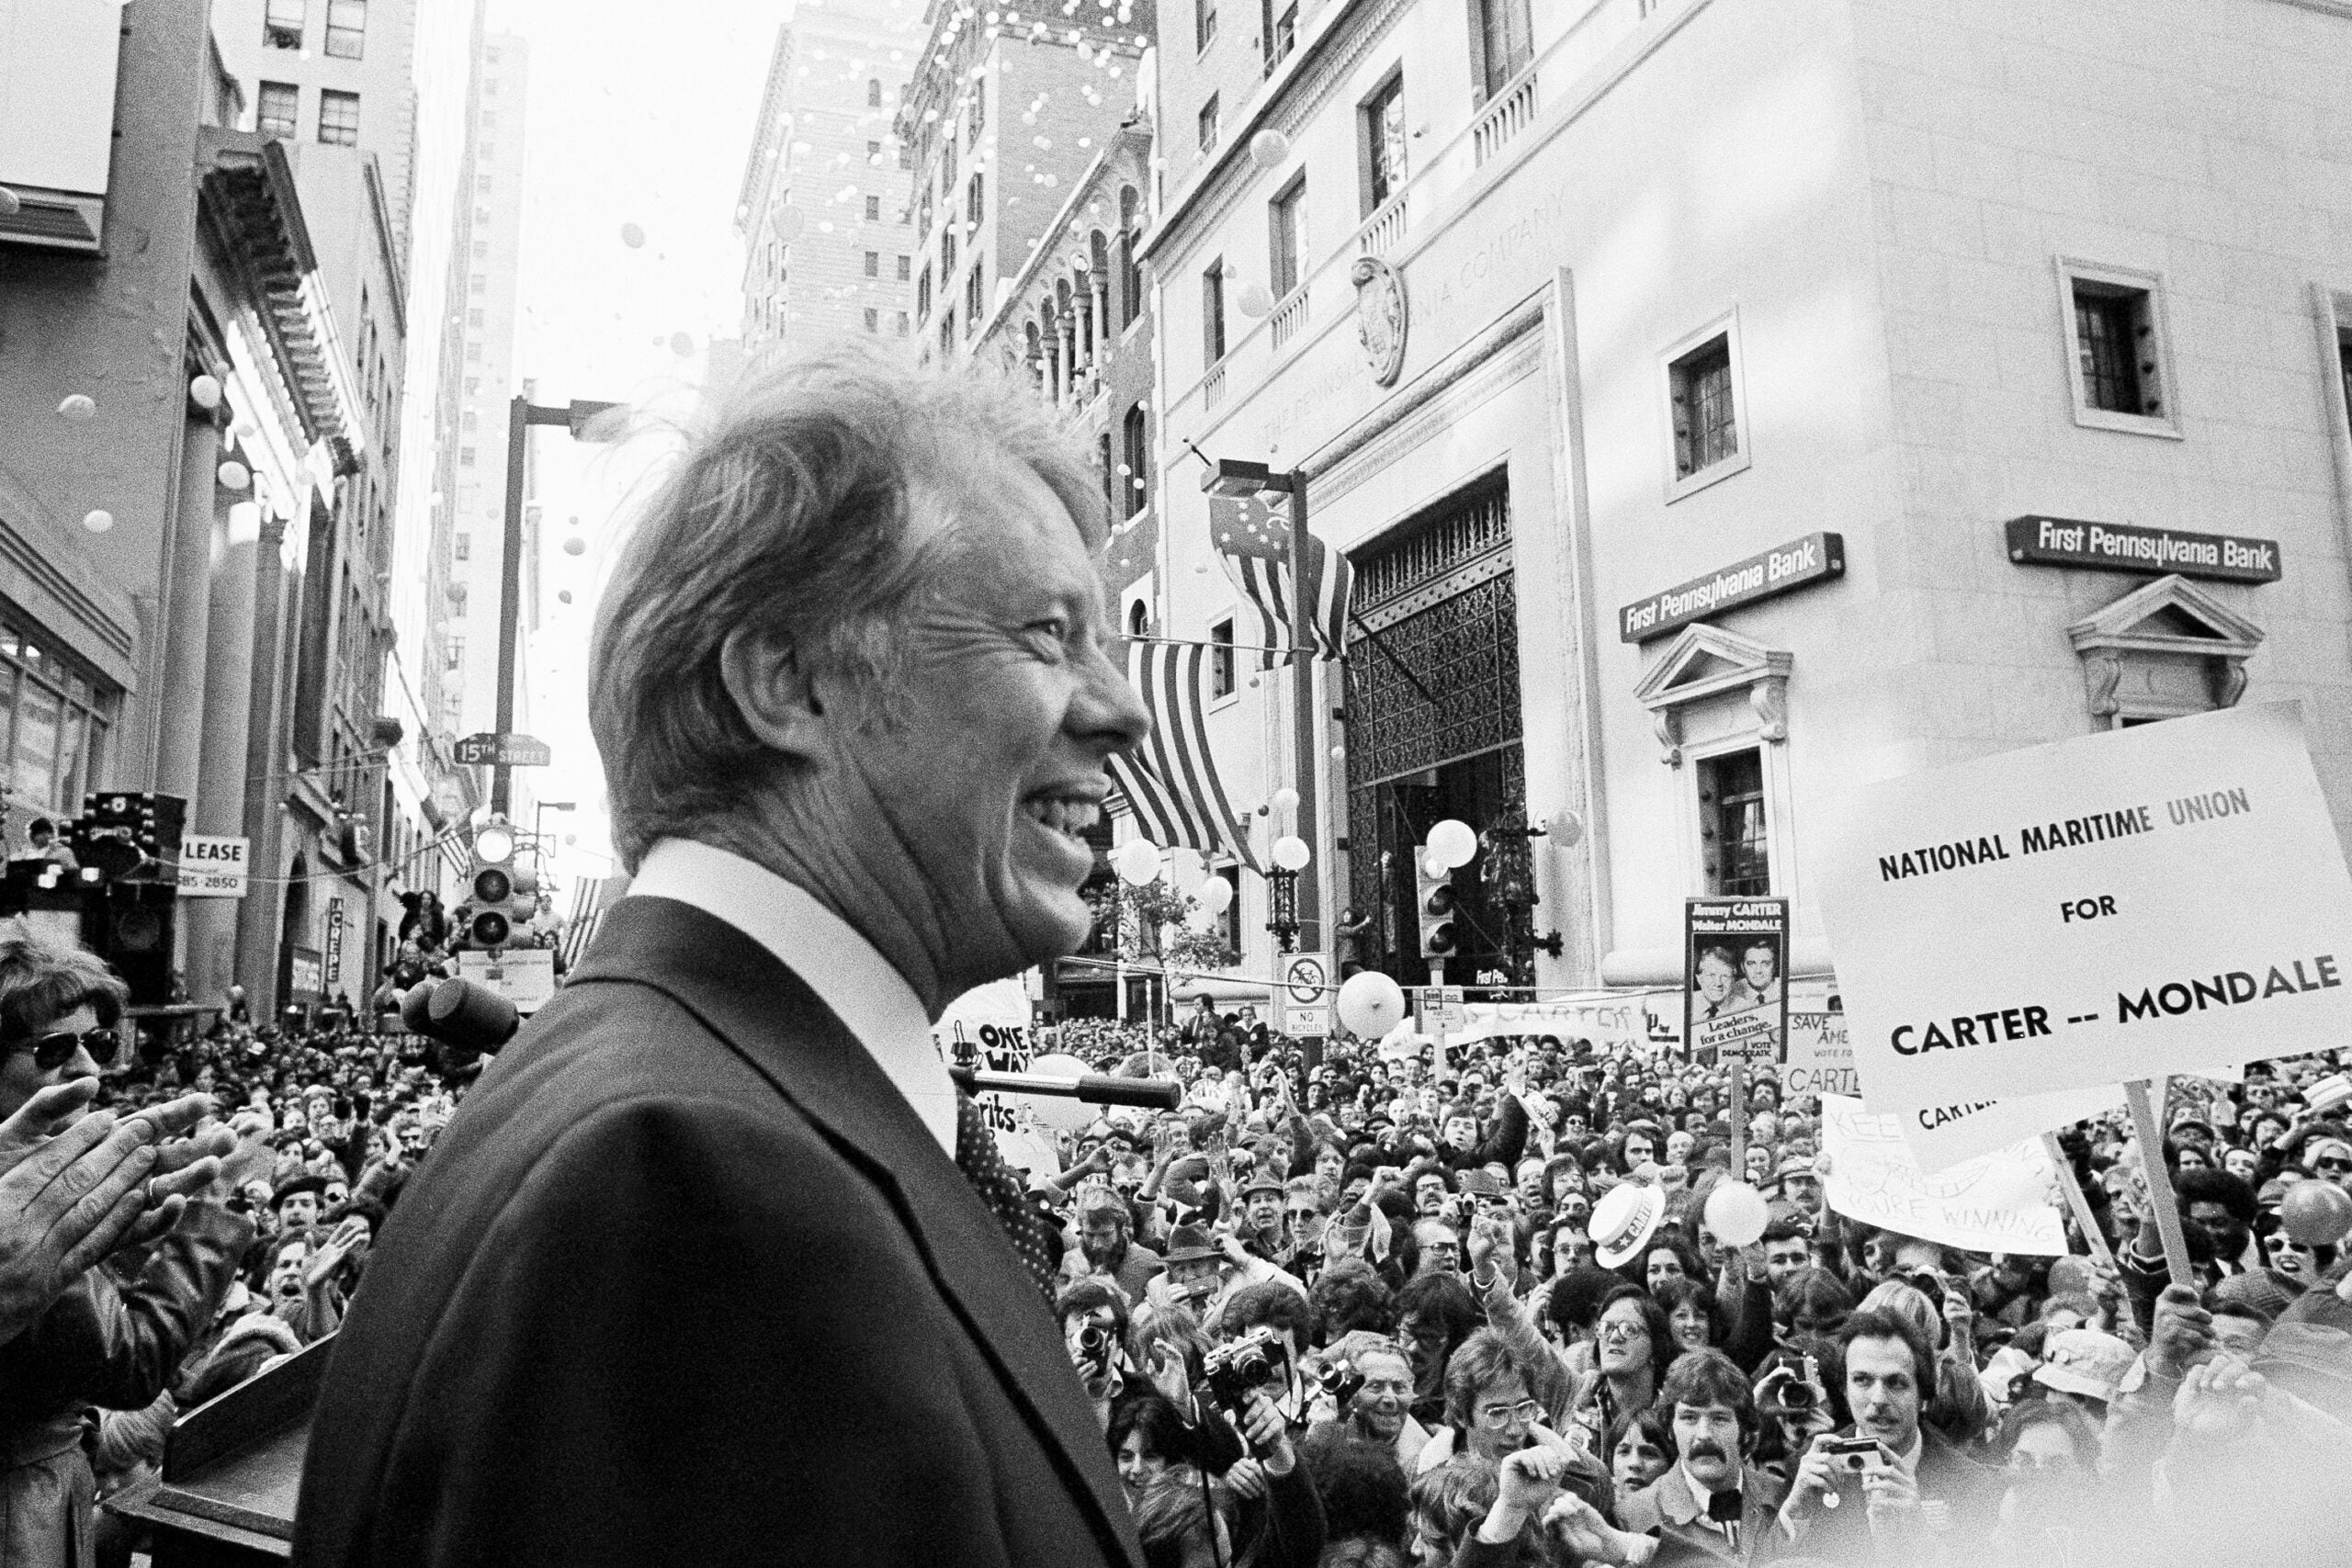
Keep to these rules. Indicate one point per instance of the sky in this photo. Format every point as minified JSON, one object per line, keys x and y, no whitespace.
{"x":639,"y":118}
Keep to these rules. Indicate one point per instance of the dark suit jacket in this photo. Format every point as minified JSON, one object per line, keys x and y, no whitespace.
{"x":687,"y":1281}
{"x":1668,"y":1510}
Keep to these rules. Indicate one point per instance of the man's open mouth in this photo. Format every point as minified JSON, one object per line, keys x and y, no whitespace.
{"x":1070,"y":815}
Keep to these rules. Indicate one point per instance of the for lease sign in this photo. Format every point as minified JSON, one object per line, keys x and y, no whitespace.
{"x":213,"y":866}
{"x":2153,"y":900}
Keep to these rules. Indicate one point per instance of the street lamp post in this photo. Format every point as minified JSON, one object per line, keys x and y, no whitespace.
{"x":521,"y":414}
{"x":1234,"y":477}
{"x":539,"y":809}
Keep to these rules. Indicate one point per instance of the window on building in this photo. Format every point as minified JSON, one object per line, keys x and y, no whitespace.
{"x":975,"y":301}
{"x":1706,"y":423}
{"x":346,"y":29}
{"x":473,"y":318}
{"x":2108,"y":325}
{"x":1734,"y":852}
{"x":1203,"y":23}
{"x":461,"y":546}
{"x":924,"y":202}
{"x":282,"y":22}
{"x":339,"y":118}
{"x":2344,"y":366}
{"x":874,"y":153}
{"x":276,"y":108}
{"x":906,"y":156}
{"x":457,"y":653}
{"x":482,"y":247}
{"x":979,"y":111}
{"x":974,"y":200}
{"x":1229,"y":923}
{"x":1213,"y":313}
{"x":947,"y":252}
{"x":2120,"y":367}
{"x":478,"y":284}
{"x":948,"y":168}
{"x":1505,"y":43}
{"x":1110,"y":478}
{"x":473,"y":351}
{"x":946,"y":334}
{"x":1382,"y":128}
{"x":872,"y":320}
{"x":906,"y":267}
{"x":1130,"y":241}
{"x":1280,"y":20}
{"x":1138,"y":618}
{"x":902,"y":323}
{"x":923,"y":293}
{"x":874,"y":92}
{"x":873,"y":264}
{"x":1135,"y":445}
{"x":1286,"y":220}
{"x":874,"y":210}
{"x":465,"y":457}
{"x":469,"y":420}
{"x":1222,"y":664}
{"x":1208,"y":123}
{"x":53,"y":733}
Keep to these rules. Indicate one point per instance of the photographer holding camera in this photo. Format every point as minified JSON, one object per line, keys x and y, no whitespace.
{"x":1889,"y":1475}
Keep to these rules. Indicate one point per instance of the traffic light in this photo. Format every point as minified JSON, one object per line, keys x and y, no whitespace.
{"x":1433,"y":904}
{"x":501,"y":892}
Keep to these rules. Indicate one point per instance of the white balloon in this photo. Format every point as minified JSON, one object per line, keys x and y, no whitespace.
{"x":1454,"y":842}
{"x":787,"y":222}
{"x":204,"y":392}
{"x":234,"y":474}
{"x":1291,"y":852}
{"x":1737,"y":1213}
{"x":1063,"y":1116}
{"x":1371,"y":1004}
{"x":78,"y":407}
{"x":575,"y":545}
{"x":1269,"y":148}
{"x":1564,"y":826}
{"x":98,"y":520}
{"x":1137,"y":861}
{"x":1216,"y":896}
{"x":1284,"y":799}
{"x":632,"y":236}
{"x":1186,"y":870}
{"x":1255,"y":300}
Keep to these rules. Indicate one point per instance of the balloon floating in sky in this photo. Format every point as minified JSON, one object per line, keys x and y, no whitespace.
{"x":80,"y":406}
{"x":632,"y":236}
{"x":1136,"y":861}
{"x":1371,"y":1004}
{"x":234,"y":474}
{"x":682,"y":344}
{"x":2316,"y":1214}
{"x":98,"y":520}
{"x":563,"y":596}
{"x":1737,"y":1213}
{"x":575,"y":545}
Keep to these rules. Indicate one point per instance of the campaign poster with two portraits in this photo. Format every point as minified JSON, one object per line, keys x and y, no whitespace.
{"x":1734,"y":981}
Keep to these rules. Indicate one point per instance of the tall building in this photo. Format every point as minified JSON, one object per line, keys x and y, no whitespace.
{"x":1689,"y":385}
{"x":827,"y":249}
{"x":1006,"y":109}
{"x":332,"y":81}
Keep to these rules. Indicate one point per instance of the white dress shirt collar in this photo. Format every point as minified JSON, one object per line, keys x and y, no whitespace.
{"x":869,"y":997}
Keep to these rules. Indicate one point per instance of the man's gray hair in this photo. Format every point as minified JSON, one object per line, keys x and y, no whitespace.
{"x":789,"y":516}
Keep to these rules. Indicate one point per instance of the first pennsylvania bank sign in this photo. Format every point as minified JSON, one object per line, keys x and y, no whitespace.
{"x":1816,"y":557}
{"x":2123,"y":547}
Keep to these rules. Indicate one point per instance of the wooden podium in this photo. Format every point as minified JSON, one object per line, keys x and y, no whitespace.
{"x":232,"y":1472}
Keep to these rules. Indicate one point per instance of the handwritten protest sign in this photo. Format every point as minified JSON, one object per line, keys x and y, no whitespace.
{"x":1820,"y":1058}
{"x":987,"y":1028}
{"x":2071,"y":916}
{"x":1995,"y":1203}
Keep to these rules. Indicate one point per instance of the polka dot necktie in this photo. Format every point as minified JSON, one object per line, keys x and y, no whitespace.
{"x":1002,"y":1189}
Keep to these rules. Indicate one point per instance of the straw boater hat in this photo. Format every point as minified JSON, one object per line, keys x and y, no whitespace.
{"x":1623,"y":1220}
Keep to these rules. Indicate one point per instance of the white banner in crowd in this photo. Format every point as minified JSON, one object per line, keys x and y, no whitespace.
{"x":1820,"y":1058}
{"x":989,"y":1028}
{"x":1995,"y":1203}
{"x":2070,"y":916}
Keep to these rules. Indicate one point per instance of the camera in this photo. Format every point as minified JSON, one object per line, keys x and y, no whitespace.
{"x":1094,"y":1344}
{"x":1241,"y":1366}
{"x":1855,"y":1454}
{"x":1340,"y":1380}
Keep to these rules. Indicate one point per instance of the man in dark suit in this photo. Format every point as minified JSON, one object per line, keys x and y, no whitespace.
{"x":1911,"y":1480}
{"x":1712,"y":1508}
{"x":712,"y":1265}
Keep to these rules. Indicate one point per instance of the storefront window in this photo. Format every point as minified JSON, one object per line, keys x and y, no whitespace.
{"x":54,"y":730}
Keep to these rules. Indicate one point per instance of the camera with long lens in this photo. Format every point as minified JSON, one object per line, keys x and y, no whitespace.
{"x":1241,"y":1366}
{"x":1094,"y":1343}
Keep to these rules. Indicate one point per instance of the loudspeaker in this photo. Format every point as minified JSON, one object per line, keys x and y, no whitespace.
{"x":133,"y":933}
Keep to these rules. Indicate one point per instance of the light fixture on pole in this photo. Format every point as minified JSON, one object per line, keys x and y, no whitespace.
{"x":1289,"y":856}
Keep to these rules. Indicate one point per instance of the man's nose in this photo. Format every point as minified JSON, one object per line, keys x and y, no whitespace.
{"x":1109,"y":711}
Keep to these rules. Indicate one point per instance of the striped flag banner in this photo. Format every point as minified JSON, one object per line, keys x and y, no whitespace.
{"x":1170,"y":780}
{"x":1251,"y":534}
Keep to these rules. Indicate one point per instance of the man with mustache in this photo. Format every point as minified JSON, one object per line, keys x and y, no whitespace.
{"x":1711,"y":1507}
{"x":1104,"y":1236}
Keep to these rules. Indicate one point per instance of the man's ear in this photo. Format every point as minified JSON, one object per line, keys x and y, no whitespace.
{"x":775,"y":692}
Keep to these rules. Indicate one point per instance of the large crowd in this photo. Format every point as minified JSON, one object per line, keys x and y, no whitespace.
{"x":1362,"y":1311}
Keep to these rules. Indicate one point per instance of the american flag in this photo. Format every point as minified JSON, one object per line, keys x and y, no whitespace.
{"x":1251,"y":534}
{"x":1170,"y":780}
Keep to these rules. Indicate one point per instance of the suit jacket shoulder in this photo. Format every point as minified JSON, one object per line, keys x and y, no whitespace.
{"x":686,"y":1281}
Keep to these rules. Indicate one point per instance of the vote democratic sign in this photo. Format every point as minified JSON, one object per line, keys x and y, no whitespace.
{"x":1734,"y":987}
{"x":2160,"y":899}
{"x":1814,"y":558}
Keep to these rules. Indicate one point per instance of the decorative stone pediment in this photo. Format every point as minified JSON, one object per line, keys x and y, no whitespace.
{"x":2168,"y":648}
{"x":1704,"y":661}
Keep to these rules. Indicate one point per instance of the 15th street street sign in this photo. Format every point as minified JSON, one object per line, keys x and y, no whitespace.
{"x":509,"y":750}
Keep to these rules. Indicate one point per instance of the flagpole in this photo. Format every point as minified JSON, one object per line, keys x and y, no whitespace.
{"x":1302,"y":636}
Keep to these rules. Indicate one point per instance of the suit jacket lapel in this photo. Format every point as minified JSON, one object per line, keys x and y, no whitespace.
{"x":778,"y":1025}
